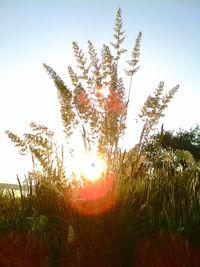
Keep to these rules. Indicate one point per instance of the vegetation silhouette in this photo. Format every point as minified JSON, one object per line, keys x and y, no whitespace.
{"x":146,"y":202}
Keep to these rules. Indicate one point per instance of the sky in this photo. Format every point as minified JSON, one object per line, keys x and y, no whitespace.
{"x":35,"y":32}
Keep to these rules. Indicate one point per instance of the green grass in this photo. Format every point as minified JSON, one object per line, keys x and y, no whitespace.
{"x":155,"y":217}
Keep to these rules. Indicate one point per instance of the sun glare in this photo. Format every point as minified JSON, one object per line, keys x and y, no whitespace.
{"x":90,"y":167}
{"x":95,"y":192}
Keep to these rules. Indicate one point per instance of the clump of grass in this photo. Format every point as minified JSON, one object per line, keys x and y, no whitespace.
{"x":148,"y":198}
{"x":151,"y":203}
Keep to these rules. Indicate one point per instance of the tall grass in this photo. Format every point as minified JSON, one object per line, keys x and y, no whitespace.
{"x":155,"y":211}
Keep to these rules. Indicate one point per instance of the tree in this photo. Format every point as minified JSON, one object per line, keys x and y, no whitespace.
{"x":175,"y":150}
{"x":186,"y":140}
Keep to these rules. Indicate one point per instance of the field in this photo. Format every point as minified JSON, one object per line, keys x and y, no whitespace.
{"x":149,"y":219}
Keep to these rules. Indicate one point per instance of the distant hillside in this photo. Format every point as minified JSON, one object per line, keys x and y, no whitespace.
{"x":9,"y":186}
{"x":15,"y":187}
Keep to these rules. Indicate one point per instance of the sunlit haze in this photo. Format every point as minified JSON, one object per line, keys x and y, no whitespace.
{"x":35,"y":32}
{"x":88,"y":166}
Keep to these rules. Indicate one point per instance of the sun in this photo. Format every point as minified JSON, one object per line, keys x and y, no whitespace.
{"x":89,"y":166}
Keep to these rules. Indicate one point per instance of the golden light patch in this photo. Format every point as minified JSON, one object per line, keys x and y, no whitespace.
{"x":90,"y":167}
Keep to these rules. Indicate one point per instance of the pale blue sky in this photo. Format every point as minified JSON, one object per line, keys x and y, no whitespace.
{"x":35,"y":31}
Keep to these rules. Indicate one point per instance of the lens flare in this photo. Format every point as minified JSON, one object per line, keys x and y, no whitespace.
{"x":21,"y":249}
{"x":90,"y":167}
{"x":165,"y":249}
{"x":93,"y":198}
{"x":92,"y":189}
